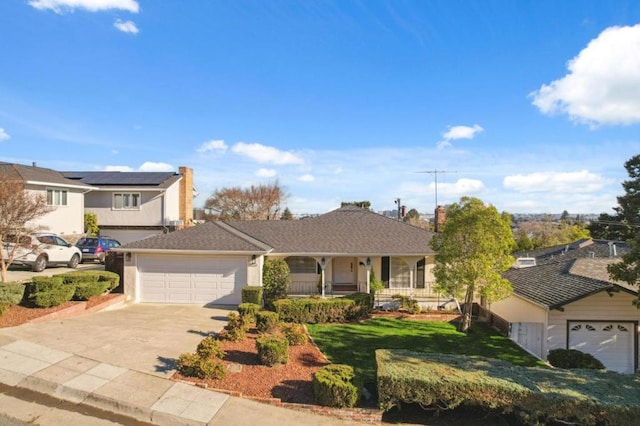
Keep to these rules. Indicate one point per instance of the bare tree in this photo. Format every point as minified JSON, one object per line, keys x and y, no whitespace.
{"x":18,"y":208}
{"x":261,"y":202}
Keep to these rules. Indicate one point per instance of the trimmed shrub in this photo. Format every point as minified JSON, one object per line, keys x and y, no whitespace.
{"x":39,"y":284}
{"x":236,"y":328}
{"x":295,"y":333}
{"x":252,"y":294}
{"x":572,"y":358}
{"x":266,"y":321}
{"x":275,"y":281}
{"x":12,"y":292}
{"x":249,"y":309}
{"x":272,"y":349}
{"x":4,"y":306}
{"x":407,"y":303}
{"x":75,"y":277}
{"x":315,"y":310}
{"x":333,"y":386}
{"x":54,"y":297}
{"x":83,"y":291}
{"x":212,"y":368}
{"x":209,"y":347}
{"x":188,"y":364}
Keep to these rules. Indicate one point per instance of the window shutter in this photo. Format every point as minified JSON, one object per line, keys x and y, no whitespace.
{"x":385,"y":271}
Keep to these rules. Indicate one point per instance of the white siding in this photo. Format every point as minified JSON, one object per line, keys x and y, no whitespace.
{"x":67,"y":220}
{"x":599,"y":307}
{"x":517,"y":309}
{"x":152,"y":207}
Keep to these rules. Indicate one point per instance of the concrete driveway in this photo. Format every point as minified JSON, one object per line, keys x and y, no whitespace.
{"x":141,"y":337}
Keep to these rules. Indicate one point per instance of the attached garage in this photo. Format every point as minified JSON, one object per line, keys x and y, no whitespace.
{"x":197,"y":280}
{"x":610,"y":342}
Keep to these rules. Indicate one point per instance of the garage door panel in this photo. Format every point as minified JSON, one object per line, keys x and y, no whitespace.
{"x":612,"y":343}
{"x":192,"y":280}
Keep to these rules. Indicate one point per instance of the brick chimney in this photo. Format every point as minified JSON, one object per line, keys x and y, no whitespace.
{"x":440,"y":218}
{"x":186,"y":196}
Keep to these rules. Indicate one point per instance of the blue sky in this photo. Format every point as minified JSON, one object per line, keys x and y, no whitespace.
{"x":535,"y":105}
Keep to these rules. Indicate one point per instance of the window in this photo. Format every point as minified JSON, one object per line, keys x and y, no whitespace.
{"x":400,"y":274}
{"x":301,"y":265}
{"x":56,"y":197}
{"x":126,"y":201}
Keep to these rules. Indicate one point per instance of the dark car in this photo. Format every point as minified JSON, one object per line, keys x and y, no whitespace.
{"x":96,"y":248}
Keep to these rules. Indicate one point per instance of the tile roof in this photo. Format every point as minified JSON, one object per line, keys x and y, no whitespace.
{"x":568,"y":272}
{"x":348,"y":230}
{"x":38,"y":174}
{"x":210,"y":236}
{"x":115,"y":178}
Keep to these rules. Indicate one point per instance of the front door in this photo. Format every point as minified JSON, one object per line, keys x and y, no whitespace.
{"x":343,"y":270}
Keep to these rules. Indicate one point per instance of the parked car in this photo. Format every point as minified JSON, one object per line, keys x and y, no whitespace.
{"x":40,"y":250}
{"x":96,"y":248}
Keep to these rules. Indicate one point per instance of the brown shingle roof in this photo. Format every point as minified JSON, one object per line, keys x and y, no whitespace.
{"x":38,"y":174}
{"x":348,"y":230}
{"x":210,"y":236}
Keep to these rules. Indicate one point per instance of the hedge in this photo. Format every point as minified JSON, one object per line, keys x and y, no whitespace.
{"x":86,"y":290}
{"x":535,"y":394}
{"x":252,"y":294}
{"x":314,"y":310}
{"x":53,"y":297}
{"x":75,"y":277}
{"x":12,"y":292}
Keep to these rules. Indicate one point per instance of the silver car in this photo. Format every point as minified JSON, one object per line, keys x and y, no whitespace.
{"x":40,"y":250}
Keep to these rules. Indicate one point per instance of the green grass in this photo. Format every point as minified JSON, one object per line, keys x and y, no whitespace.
{"x":355,"y":344}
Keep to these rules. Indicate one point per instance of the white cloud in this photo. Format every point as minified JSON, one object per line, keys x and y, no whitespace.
{"x":213,"y":145}
{"x":126,"y":26}
{"x":306,"y":178}
{"x":459,"y":132}
{"x":460,"y":188}
{"x":156,"y":167}
{"x":60,"y":6}
{"x":265,"y":173}
{"x":603,"y":82}
{"x":266,"y":154}
{"x":570,"y":182}
{"x":4,"y":135}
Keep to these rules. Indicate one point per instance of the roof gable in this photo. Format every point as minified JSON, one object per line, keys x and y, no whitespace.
{"x":38,"y":175}
{"x":348,"y":230}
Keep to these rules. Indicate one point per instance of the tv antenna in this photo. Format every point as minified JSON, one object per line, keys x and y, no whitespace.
{"x":435,"y":173}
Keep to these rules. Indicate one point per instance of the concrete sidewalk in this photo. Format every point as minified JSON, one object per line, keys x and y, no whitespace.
{"x":138,"y":395}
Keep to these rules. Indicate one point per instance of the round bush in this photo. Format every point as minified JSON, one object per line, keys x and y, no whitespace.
{"x":12,"y":292}
{"x":267,"y":321}
{"x":572,"y":358}
{"x":209,"y":347}
{"x":333,"y":386}
{"x":295,"y":334}
{"x":272,"y":350}
{"x":249,"y":309}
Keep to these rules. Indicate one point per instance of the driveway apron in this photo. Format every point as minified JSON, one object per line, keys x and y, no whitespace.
{"x":142,"y":337}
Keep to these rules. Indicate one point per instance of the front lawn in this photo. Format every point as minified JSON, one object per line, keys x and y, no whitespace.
{"x":355,"y":344}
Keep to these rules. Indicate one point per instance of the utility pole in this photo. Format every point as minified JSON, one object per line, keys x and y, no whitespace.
{"x":399,"y":203}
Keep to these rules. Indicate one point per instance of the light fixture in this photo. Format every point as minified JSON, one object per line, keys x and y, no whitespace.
{"x":128,"y":256}
{"x":253,"y":260}
{"x":368,"y":261}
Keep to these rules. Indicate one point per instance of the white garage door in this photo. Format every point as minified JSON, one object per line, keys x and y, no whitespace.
{"x":168,"y":279}
{"x":610,"y":342}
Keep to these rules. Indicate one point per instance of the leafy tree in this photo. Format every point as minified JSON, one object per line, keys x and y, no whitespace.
{"x":564,"y":216}
{"x":286,"y":214}
{"x":472,"y":251}
{"x":622,"y":226}
{"x":362,"y":204}
{"x":91,"y":224}
{"x":628,"y":211}
{"x":275,"y":280}
{"x":261,"y":202}
{"x":18,"y":208}
{"x":547,"y":233}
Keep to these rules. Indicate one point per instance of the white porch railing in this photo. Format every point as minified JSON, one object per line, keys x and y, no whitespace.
{"x":308,"y":288}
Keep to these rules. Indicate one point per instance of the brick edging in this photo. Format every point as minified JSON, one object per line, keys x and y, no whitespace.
{"x":77,"y":309}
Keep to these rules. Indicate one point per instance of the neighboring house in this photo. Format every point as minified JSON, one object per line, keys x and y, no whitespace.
{"x":334,"y":253}
{"x":64,"y":196}
{"x":131,"y":206}
{"x":563,"y":298}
